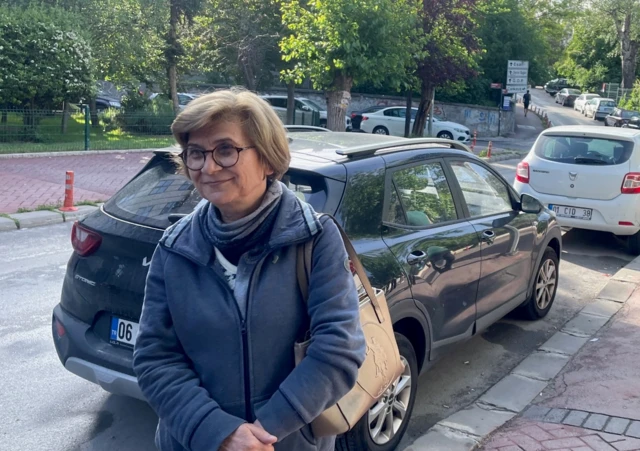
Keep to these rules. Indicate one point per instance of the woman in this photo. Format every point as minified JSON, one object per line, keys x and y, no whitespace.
{"x":222,"y":308}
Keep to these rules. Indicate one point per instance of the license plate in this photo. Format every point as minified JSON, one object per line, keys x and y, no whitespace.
{"x":562,"y":211}
{"x":123,"y":332}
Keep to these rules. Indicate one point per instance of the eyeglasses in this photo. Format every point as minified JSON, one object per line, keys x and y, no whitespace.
{"x":225,"y":156}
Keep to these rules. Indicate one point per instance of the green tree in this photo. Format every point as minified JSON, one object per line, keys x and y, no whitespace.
{"x":44,"y":59}
{"x":338,"y":43}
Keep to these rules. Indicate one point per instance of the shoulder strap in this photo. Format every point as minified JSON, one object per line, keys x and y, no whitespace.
{"x":303,"y":267}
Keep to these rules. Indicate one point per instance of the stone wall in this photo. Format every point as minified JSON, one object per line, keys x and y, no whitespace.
{"x":484,"y":120}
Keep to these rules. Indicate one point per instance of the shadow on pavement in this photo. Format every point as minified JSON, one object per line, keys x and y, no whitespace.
{"x":597,"y":251}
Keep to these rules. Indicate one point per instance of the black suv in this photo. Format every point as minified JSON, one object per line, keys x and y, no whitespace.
{"x":446,"y":237}
{"x":554,"y":86}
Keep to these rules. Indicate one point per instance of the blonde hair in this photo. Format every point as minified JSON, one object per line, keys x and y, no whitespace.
{"x":258,"y":120}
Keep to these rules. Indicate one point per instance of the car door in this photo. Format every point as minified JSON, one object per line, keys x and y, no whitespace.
{"x":506,"y":233}
{"x":394,"y":121}
{"x":440,"y":250}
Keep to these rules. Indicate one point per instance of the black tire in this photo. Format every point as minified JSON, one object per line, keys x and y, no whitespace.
{"x":359,"y":438}
{"x":634,"y":244}
{"x":445,"y":135}
{"x":531,"y":310}
{"x":380,"y":130}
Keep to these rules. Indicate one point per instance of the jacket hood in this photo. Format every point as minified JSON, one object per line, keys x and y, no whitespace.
{"x":296,"y":222}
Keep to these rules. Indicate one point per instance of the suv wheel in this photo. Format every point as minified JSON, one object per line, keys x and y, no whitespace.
{"x":385,"y":424}
{"x":380,"y":130}
{"x":544,"y":288}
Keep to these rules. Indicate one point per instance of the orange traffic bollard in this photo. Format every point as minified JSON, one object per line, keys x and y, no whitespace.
{"x":68,"y":193}
{"x":475,"y":136}
{"x":489,"y":149}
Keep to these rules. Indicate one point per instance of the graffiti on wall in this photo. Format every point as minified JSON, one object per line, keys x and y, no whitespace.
{"x":480,"y":119}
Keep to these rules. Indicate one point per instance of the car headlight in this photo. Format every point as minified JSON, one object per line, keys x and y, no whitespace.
{"x":459,"y":130}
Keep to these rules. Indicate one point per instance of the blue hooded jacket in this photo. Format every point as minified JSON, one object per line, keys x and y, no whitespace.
{"x":205,"y":371}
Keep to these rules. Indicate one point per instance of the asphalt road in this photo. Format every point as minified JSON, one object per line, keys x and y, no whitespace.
{"x":46,"y":408}
{"x":558,"y":114}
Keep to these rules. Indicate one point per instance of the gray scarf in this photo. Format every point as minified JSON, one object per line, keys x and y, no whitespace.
{"x":236,"y":238}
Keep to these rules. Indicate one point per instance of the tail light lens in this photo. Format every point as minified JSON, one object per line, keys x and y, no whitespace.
{"x":522,"y":172}
{"x":84,"y":241}
{"x":353,"y":115}
{"x":631,"y":183}
{"x":364,"y":118}
{"x":59,"y":328}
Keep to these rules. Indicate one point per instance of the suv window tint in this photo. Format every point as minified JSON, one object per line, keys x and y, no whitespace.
{"x":277,"y":103}
{"x":583,"y":150}
{"x":484,"y":193}
{"x":158,"y":192}
{"x":421,"y":196}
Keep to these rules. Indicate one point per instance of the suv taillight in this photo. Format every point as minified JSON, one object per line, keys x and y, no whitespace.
{"x":84,"y":241}
{"x":631,"y":183}
{"x":364,"y":118}
{"x":522,"y":172}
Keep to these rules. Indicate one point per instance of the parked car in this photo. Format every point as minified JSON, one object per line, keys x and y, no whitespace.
{"x":567,"y":96}
{"x":446,"y":238}
{"x":356,"y":116}
{"x":634,"y":123}
{"x":391,"y":121}
{"x":552,"y":87}
{"x":183,"y":98}
{"x":104,"y":102}
{"x":303,"y":111}
{"x":599,"y":108}
{"x":588,"y":176}
{"x":619,"y":117}
{"x":580,"y":102}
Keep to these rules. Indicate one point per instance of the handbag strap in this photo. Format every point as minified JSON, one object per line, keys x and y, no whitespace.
{"x":303,"y":268}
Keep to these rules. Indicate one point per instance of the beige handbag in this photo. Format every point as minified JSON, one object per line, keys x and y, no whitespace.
{"x":382,"y":365}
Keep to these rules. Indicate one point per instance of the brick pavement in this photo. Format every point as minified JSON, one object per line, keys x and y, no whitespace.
{"x":528,"y":435}
{"x":34,"y":181}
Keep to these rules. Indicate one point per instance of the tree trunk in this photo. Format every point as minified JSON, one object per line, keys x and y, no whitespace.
{"x":172,"y":69}
{"x":65,"y":117}
{"x":93,"y":111}
{"x":291,"y":102}
{"x":426,"y":94}
{"x":628,"y":53}
{"x":338,"y":99}
{"x":407,"y":117}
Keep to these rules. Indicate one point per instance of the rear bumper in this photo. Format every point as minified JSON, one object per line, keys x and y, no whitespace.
{"x":606,"y":213}
{"x":84,"y":355}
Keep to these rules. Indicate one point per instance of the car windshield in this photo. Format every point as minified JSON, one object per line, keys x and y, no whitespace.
{"x":583,"y":150}
{"x":608,"y":103}
{"x":159,"y":191}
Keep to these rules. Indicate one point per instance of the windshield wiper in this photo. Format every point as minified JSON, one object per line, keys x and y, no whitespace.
{"x":589,"y":160}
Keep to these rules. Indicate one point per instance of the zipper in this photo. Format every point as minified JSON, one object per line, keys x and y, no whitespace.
{"x":247,"y":380}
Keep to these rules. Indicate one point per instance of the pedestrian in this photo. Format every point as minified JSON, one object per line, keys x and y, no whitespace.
{"x":222,"y":307}
{"x":526,"y":99}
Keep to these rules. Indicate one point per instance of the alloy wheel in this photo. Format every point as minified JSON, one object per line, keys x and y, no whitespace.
{"x":386,"y":416}
{"x":380,"y":131}
{"x":546,"y":284}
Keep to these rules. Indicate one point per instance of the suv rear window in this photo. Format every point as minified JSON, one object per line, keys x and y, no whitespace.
{"x":607,"y":103}
{"x":583,"y":150}
{"x":158,"y":192}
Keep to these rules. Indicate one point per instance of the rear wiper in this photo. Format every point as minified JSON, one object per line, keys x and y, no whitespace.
{"x":589,"y":160}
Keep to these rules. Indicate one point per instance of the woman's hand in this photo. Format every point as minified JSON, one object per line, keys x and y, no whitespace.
{"x":249,"y":437}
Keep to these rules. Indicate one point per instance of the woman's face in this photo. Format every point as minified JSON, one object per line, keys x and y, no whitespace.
{"x":236,"y":191}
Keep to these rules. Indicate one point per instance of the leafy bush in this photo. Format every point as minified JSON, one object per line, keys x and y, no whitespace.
{"x":147,"y":117}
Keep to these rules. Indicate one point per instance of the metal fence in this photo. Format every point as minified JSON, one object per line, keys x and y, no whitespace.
{"x":615,"y":92}
{"x":51,"y":131}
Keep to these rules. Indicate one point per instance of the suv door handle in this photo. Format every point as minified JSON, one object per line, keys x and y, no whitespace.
{"x":416,"y":257}
{"x":488,"y":236}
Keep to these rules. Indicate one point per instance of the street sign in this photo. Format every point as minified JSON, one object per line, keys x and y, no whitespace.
{"x":516,"y":81}
{"x":517,"y":89}
{"x":516,"y":64}
{"x":496,"y":85}
{"x":517,"y":72}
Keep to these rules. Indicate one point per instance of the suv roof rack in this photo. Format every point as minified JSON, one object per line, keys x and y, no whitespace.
{"x":404,"y":142}
{"x":305,"y":128}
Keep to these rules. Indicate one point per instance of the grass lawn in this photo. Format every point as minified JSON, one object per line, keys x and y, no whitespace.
{"x":49,"y":136}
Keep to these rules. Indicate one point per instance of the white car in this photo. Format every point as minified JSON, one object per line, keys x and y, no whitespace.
{"x":303,"y":111}
{"x":599,"y":108}
{"x":183,"y":98}
{"x":581,"y":101}
{"x":589,"y":176}
{"x":390,"y":121}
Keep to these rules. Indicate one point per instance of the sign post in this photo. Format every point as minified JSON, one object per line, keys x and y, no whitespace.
{"x":517,"y":76}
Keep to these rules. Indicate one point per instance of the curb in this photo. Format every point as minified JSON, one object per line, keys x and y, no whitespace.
{"x":16,"y":221}
{"x":8,"y":156}
{"x":466,"y":429}
{"x":542,"y":114}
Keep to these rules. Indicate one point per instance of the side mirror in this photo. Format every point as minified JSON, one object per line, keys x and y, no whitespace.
{"x":530,"y":204}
